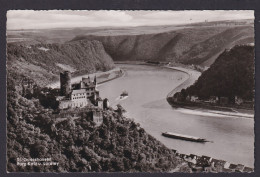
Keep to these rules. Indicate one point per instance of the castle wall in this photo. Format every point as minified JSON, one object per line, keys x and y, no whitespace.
{"x":73,"y":104}
{"x":97,"y":117}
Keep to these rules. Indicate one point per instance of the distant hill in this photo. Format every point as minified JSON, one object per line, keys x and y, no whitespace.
{"x":232,"y":74}
{"x":190,"y":45}
{"x":44,"y":62}
{"x":194,"y":43}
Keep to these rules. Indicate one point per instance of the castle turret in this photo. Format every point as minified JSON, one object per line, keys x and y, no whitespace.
{"x":95,"y":80}
{"x":105,"y":103}
{"x":65,"y":83}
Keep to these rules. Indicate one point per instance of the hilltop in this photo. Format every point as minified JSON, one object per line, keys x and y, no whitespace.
{"x":230,"y":76}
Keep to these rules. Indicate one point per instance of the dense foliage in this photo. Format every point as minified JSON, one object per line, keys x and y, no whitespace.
{"x":232,"y":74}
{"x":119,"y":144}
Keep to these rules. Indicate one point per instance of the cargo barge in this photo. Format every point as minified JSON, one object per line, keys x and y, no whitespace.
{"x":184,"y":137}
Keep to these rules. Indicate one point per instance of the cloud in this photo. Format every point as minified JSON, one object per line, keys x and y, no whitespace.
{"x":29,"y":19}
{"x":119,"y":16}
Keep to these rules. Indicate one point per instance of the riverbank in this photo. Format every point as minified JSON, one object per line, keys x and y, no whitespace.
{"x":207,"y":108}
{"x":193,"y":76}
{"x":219,"y":110}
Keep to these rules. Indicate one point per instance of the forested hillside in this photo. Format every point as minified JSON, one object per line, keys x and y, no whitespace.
{"x":44,"y":62}
{"x":232,"y":74}
{"x":118,"y":145}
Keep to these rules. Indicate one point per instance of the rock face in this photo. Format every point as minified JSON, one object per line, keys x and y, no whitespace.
{"x":192,"y":45}
{"x":44,"y":62}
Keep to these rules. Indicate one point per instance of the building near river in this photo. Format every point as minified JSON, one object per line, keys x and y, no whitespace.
{"x":238,"y":100}
{"x":223,"y":101}
{"x":76,"y":95}
{"x":213,"y":99}
{"x":194,"y":98}
{"x":73,"y":97}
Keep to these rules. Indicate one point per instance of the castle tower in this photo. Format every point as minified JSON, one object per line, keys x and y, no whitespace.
{"x":105,"y":103}
{"x":65,"y":83}
{"x":95,"y":81}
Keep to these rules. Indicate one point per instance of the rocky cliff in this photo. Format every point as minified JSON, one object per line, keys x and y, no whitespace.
{"x":190,"y":45}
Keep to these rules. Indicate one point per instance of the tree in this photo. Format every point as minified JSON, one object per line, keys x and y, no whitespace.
{"x":120,"y":110}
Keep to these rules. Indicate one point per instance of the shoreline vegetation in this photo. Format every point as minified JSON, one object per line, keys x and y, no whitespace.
{"x":223,"y":110}
{"x":227,"y":86}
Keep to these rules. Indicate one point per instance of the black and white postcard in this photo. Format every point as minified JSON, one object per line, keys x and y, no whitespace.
{"x":130,"y":91}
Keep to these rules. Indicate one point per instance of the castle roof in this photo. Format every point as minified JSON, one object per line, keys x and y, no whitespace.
{"x":78,"y":91}
{"x":87,"y":81}
{"x":99,"y":99}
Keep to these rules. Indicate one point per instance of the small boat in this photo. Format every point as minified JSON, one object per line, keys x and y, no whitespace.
{"x":123,"y":94}
{"x":183,"y":137}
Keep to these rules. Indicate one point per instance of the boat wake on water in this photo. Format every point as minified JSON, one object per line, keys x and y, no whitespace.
{"x":118,"y":100}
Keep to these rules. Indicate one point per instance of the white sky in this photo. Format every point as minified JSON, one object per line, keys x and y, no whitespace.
{"x":29,"y":19}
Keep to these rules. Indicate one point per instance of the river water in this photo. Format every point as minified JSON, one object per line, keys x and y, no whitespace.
{"x":233,"y":137}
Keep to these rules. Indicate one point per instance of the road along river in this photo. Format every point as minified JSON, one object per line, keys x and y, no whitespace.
{"x":148,"y":86}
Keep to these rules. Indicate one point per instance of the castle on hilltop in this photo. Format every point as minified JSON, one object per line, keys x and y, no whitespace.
{"x":79,"y":94}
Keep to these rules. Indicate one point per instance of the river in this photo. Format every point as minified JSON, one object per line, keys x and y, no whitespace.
{"x":148,"y":86}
